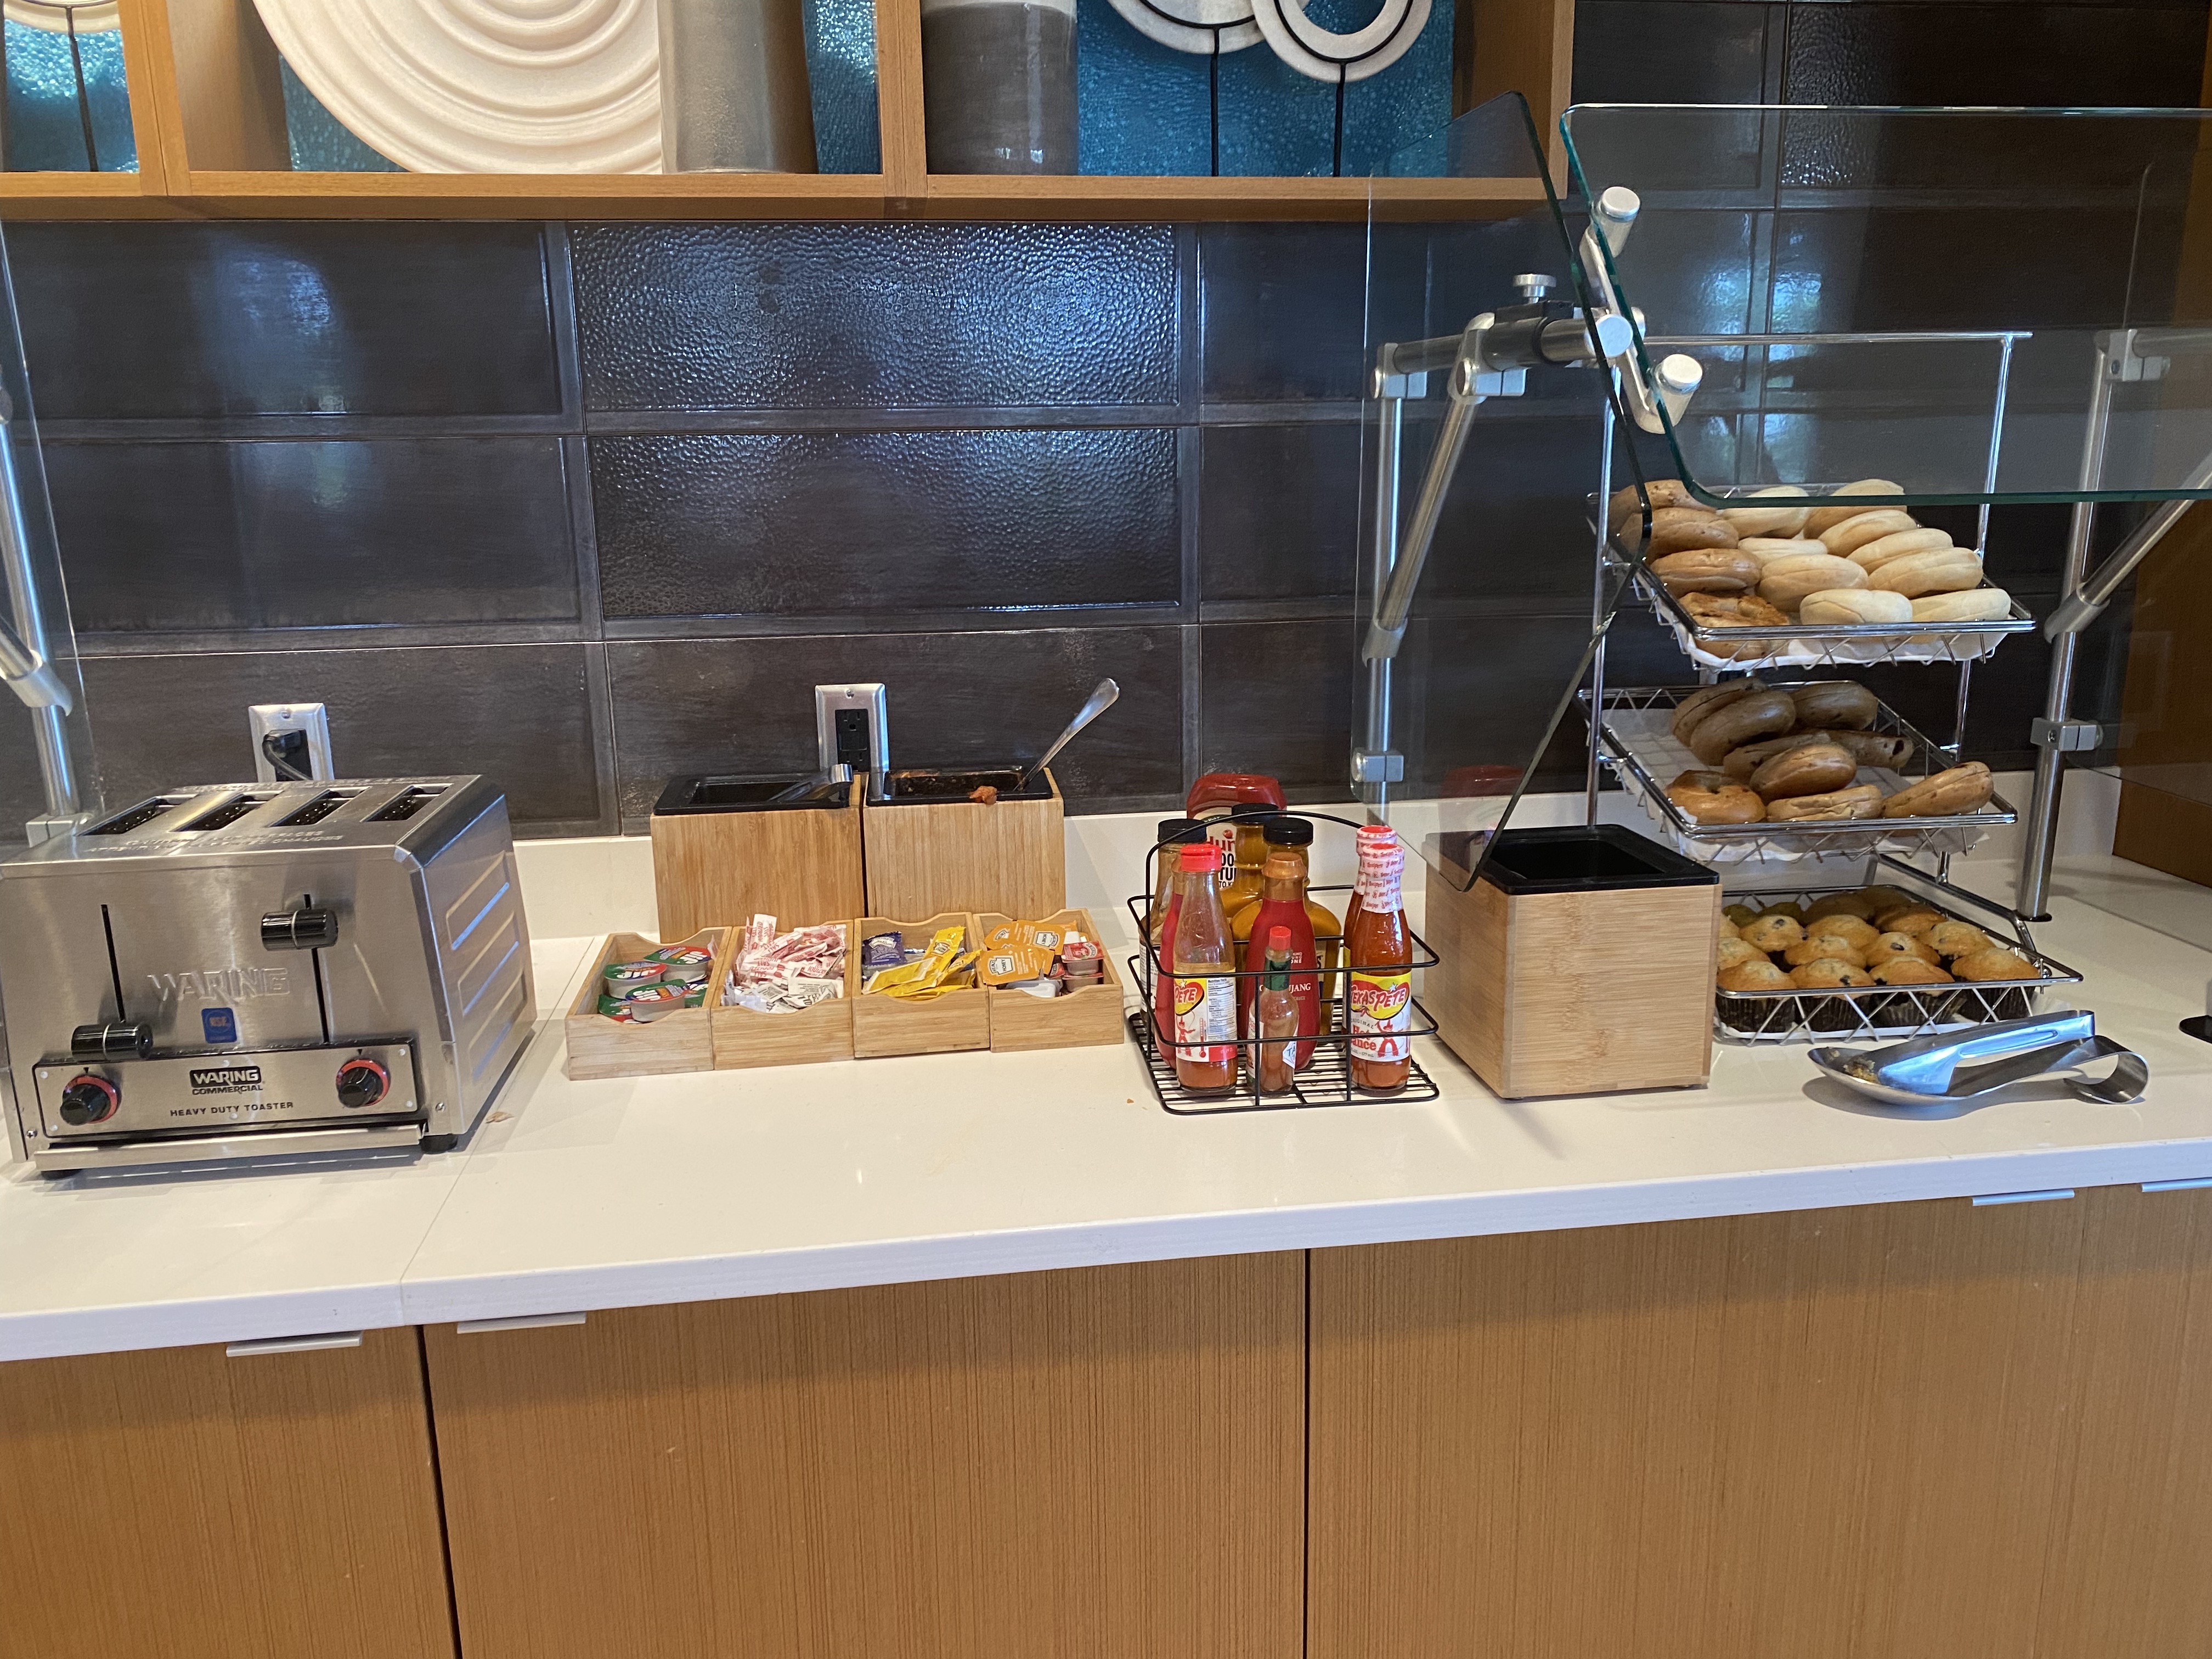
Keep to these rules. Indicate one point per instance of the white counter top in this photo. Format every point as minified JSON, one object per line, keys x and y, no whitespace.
{"x":582,"y":1196}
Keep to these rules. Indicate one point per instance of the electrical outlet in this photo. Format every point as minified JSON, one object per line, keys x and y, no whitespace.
{"x":850,"y":727}
{"x":298,"y":734}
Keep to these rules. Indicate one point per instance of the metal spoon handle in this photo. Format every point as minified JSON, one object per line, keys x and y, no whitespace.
{"x":1097,"y":703}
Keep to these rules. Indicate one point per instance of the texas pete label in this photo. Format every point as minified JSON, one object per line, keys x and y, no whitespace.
{"x":1381,"y":1013}
{"x":1206,"y":1019}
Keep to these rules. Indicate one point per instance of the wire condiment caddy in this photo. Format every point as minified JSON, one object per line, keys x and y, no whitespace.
{"x":1326,"y":1078}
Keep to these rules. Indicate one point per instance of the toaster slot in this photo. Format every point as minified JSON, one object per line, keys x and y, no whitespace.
{"x":228,"y":813}
{"x":407,"y":804}
{"x":317,"y":809}
{"x":136,"y":818}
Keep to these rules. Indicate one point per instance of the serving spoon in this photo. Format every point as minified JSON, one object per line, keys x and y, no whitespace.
{"x":1095,"y":704}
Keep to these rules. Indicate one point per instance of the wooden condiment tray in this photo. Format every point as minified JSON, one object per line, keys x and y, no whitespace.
{"x":886,"y":1025}
{"x":682,"y":1041}
{"x":1089,"y":1017}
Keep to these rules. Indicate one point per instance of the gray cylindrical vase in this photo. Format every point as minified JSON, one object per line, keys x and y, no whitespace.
{"x":999,"y":85}
{"x":734,"y":90}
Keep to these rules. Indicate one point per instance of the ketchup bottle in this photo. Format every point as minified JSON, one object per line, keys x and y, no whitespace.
{"x":1205,"y":1038}
{"x":1381,"y":951}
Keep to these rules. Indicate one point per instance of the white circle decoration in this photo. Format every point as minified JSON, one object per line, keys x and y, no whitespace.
{"x":484,"y":85}
{"x":1209,"y":28}
{"x":97,"y":18}
{"x":1312,"y":50}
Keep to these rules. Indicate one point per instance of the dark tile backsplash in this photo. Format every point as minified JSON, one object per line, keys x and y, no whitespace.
{"x":152,"y":322}
{"x":167,"y":538}
{"x":879,"y":316}
{"x":580,"y":507}
{"x":806,"y":524}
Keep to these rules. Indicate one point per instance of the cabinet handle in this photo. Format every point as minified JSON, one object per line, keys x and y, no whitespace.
{"x":314,"y":1343}
{"x":2047,"y":1195}
{"x":2190,"y":1185}
{"x":519,"y":1323}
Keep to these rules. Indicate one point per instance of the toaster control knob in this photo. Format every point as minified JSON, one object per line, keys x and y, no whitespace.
{"x":362,"y":1082}
{"x":89,"y":1099}
{"x":311,"y":929}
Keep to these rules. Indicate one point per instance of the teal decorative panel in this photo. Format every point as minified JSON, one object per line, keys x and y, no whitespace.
{"x":320,"y":144}
{"x":45,"y":124}
{"x":841,"y":72}
{"x":1150,"y":110}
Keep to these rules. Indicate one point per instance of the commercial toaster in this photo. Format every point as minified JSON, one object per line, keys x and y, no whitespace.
{"x":258,"y":970}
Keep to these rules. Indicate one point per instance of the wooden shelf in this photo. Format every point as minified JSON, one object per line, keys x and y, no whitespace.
{"x":207,"y":111}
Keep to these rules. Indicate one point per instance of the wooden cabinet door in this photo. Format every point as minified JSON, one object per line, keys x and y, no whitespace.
{"x":1907,"y":1432}
{"x":183,"y":1504}
{"x":1106,"y":1462}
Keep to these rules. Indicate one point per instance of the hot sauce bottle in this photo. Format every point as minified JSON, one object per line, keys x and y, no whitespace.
{"x":1278,"y":1017}
{"x":1380,"y":949}
{"x":1205,"y":1033}
{"x":1159,"y":922}
{"x":1367,"y":835}
{"x":1282,"y":910}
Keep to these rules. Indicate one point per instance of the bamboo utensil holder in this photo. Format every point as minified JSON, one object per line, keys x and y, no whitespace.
{"x":1089,"y":1017}
{"x":885,"y":1025}
{"x":680,"y":1041}
{"x":1010,"y":857}
{"x":1579,"y":963}
{"x":712,"y":868}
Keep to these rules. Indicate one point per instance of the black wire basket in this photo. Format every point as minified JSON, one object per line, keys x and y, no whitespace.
{"x":1326,"y":1079}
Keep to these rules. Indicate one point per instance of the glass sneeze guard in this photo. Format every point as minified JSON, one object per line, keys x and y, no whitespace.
{"x":1977,"y":305}
{"x":1480,"y":602}
{"x":39,"y":679}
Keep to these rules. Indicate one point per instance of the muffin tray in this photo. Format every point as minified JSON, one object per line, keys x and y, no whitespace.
{"x":1892,"y":1012}
{"x":1635,"y":740}
{"x":1837,"y":645}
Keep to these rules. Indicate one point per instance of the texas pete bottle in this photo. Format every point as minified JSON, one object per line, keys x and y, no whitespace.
{"x":1205,"y":1038}
{"x":1380,"y":949}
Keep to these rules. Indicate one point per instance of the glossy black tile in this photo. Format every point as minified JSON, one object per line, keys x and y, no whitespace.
{"x":1283,"y":311}
{"x":1278,"y":509}
{"x":522,"y":715}
{"x":1514,"y":527}
{"x":806,"y":524}
{"x":954,"y":699}
{"x":22,"y":795}
{"x":875,"y":316}
{"x":1678,"y":51}
{"x":1280,"y":699}
{"x":174,"y":321}
{"x":2015,"y":54}
{"x":192,"y":537}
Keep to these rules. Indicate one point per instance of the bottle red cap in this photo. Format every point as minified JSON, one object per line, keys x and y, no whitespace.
{"x":1279,"y":939}
{"x":1201,"y":856}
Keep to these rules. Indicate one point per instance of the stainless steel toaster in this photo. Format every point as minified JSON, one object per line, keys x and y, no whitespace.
{"x":257,"y":970}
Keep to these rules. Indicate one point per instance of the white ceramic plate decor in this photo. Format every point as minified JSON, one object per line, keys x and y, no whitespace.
{"x":1206,"y":28}
{"x":484,"y":85}
{"x":1309,"y":48}
{"x":94,"y":19}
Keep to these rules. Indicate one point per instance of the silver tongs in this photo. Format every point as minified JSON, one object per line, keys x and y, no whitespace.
{"x":1933,"y":1068}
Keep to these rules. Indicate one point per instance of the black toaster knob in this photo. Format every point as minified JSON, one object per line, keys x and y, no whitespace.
{"x":311,"y":929}
{"x":89,"y":1099}
{"x":362,"y":1082}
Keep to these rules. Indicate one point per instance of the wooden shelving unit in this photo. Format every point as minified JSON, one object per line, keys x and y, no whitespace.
{"x":207,"y":113}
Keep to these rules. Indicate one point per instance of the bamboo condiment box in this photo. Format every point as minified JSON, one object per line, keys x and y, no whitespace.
{"x":1579,"y":962}
{"x":885,"y":1025}
{"x":929,"y":848}
{"x":1089,"y":1017}
{"x":725,"y":851}
{"x":799,"y":1037}
{"x":682,"y":1041}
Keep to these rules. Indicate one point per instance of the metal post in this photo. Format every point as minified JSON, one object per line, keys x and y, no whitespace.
{"x":2033,"y":899}
{"x":1388,"y":448}
{"x":30,"y":670}
{"x":1597,"y":606}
